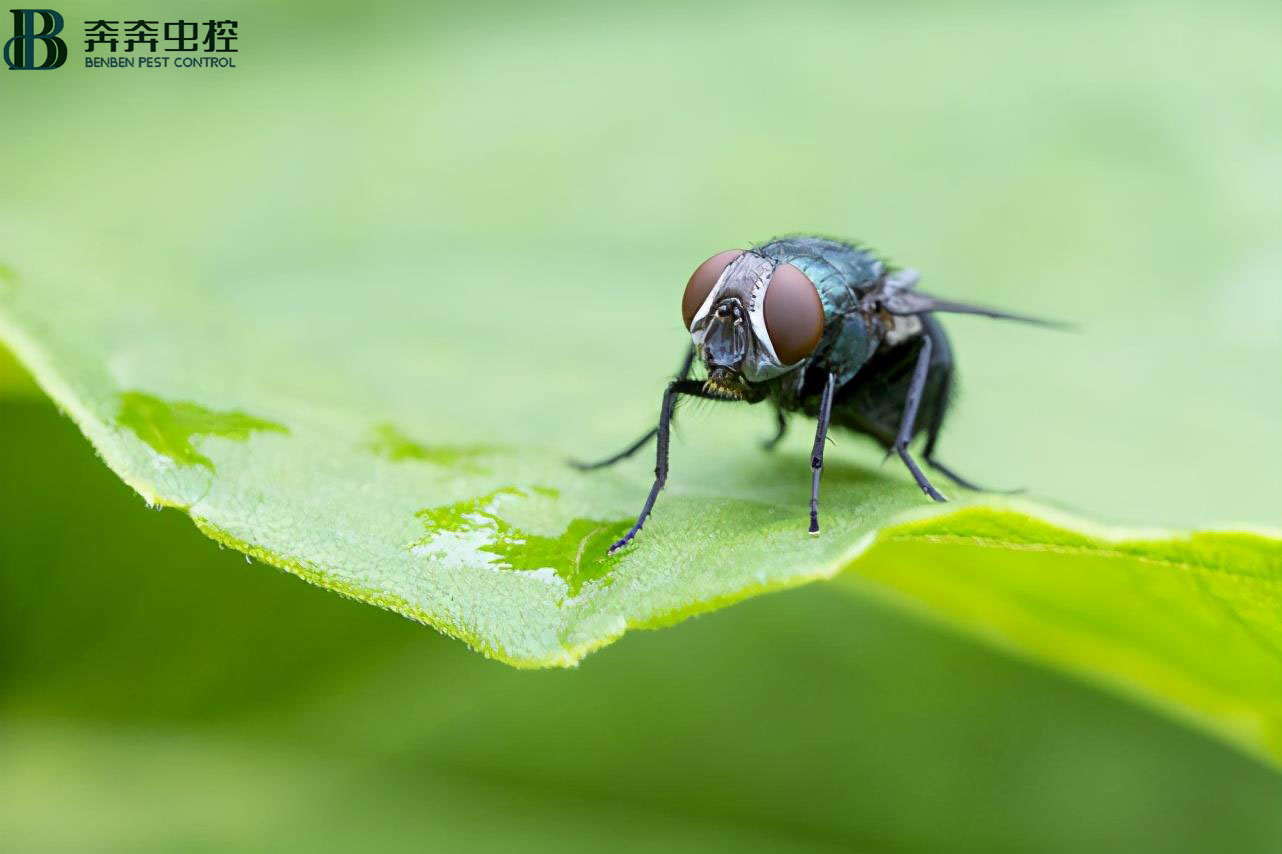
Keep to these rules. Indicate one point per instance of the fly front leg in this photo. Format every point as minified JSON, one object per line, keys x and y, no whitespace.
{"x":620,"y":456}
{"x":682,"y":373}
{"x":693,"y":388}
{"x":910,"y":419}
{"x":817,"y":453}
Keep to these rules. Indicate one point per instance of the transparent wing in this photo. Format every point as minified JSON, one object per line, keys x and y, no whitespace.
{"x":896,"y":296}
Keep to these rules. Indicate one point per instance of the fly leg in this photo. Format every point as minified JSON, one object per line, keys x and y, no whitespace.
{"x":682,"y":373}
{"x":910,"y":418}
{"x":781,"y":427}
{"x":693,"y":388}
{"x":954,"y":476}
{"x":932,"y":437}
{"x":817,"y":453}
{"x":621,"y":455}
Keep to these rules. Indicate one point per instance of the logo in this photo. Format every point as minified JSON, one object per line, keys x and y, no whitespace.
{"x":20,"y":51}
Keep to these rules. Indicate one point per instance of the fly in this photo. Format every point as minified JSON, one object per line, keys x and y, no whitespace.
{"x":821,"y":327}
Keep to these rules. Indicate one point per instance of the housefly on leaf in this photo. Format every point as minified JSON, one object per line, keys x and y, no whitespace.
{"x":825,"y":328}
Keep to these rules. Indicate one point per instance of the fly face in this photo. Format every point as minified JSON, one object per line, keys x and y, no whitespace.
{"x":751,"y":319}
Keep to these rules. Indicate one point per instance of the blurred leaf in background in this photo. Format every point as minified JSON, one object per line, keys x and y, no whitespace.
{"x":14,"y":381}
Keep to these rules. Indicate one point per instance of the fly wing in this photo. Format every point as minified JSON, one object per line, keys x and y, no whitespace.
{"x":897,"y":297}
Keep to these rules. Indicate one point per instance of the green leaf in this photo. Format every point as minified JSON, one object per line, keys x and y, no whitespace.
{"x":170,"y":428}
{"x":14,"y":381}
{"x":1188,"y":623}
{"x":801,"y":722}
{"x":504,"y":546}
{"x":371,"y":308}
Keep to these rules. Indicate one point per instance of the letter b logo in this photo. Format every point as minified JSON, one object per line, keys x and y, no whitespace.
{"x":20,"y":51}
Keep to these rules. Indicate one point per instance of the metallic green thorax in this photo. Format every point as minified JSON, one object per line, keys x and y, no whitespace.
{"x":843,"y":274}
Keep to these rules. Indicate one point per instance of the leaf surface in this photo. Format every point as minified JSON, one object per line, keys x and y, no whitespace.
{"x":504,"y":545}
{"x":354,"y":321}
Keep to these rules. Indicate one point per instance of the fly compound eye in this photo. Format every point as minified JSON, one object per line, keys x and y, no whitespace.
{"x":703,"y":280}
{"x":794,"y":315}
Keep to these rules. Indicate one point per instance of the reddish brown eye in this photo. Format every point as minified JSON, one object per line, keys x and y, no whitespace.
{"x":702,"y":282}
{"x":793,"y":313}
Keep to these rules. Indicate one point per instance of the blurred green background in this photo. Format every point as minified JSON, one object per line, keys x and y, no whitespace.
{"x":1112,"y":164}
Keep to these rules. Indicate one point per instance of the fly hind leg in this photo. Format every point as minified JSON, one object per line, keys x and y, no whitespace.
{"x":932,"y":437}
{"x":909,"y":420}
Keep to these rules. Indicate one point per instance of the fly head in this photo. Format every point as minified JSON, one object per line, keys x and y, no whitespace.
{"x":751,"y":319}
